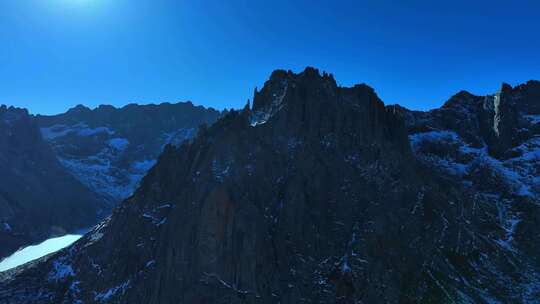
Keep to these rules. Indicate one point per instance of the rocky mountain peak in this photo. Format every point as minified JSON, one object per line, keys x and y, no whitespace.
{"x":275,"y":89}
{"x":497,"y":122}
{"x":312,"y":106}
{"x":459,"y":99}
{"x":17,"y":127}
{"x":106,"y":108}
{"x":505,"y":88}
{"x":314,"y":196}
{"x":527,"y":97}
{"x":79,"y":109}
{"x":12,"y":113}
{"x":500,"y":120}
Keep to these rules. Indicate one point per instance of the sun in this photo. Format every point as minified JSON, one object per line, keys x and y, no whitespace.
{"x":78,"y":2}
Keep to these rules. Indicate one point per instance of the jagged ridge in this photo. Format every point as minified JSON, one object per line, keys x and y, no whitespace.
{"x":313,"y":195}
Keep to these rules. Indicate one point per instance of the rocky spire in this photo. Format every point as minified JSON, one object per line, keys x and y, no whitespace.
{"x":500,"y":120}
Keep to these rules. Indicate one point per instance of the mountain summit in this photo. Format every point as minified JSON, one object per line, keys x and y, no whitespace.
{"x":316,"y":194}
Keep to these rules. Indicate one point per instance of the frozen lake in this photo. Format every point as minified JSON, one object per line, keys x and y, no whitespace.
{"x":30,"y":253}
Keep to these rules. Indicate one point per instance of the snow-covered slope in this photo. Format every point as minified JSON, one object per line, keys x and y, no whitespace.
{"x":109,"y":150}
{"x":492,"y":149}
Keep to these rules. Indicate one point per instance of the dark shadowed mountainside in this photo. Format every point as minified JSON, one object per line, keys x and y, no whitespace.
{"x":322,"y":194}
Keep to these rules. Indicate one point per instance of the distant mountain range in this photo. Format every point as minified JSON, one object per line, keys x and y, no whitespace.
{"x":319,"y":193}
{"x":64,"y":172}
{"x":109,"y":150}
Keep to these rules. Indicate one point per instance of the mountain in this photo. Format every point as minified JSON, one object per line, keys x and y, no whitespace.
{"x":65,"y":172}
{"x":110,"y":149}
{"x":38,"y":197}
{"x":321,"y":194}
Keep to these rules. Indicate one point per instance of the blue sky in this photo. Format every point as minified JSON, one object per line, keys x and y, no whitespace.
{"x":55,"y":54}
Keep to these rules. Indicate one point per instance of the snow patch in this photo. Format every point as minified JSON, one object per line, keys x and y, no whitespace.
{"x":97,"y":232}
{"x":86,"y":131}
{"x":446,"y":164}
{"x":510,"y":229}
{"x":80,"y":129}
{"x":220,"y":170}
{"x":143,"y":165}
{"x":74,"y":287}
{"x":35,"y":252}
{"x":534,"y":119}
{"x":7,"y":227}
{"x":178,"y":137}
{"x":100,"y":173}
{"x":150,"y":263}
{"x":119,"y":144}
{"x":156,"y":221}
{"x":519,"y":173}
{"x":432,"y":136}
{"x":110,"y":293}
{"x":262,"y":116}
{"x":345,"y":268}
{"x":61,"y":270}
{"x":55,"y":131}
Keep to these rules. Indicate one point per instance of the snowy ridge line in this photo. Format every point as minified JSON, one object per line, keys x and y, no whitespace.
{"x":516,"y":171}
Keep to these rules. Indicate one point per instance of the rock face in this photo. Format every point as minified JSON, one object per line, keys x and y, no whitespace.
{"x":109,"y":150}
{"x":38,"y":197}
{"x":319,"y":194}
{"x":500,"y":121}
{"x":491,"y":147}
